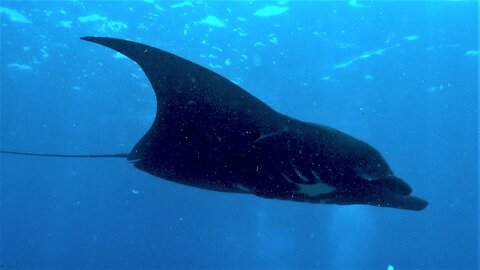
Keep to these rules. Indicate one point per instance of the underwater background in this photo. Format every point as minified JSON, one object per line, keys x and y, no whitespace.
{"x":400,"y":75}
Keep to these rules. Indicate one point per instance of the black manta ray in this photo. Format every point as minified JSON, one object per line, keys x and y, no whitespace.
{"x":210,"y":133}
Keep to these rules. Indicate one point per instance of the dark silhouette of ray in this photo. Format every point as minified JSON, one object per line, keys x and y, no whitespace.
{"x":210,"y":133}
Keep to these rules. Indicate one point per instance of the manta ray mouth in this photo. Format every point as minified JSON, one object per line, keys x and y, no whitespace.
{"x":400,"y":201}
{"x":391,"y":191}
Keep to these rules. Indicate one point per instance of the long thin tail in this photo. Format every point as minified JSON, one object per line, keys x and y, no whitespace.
{"x":66,"y":156}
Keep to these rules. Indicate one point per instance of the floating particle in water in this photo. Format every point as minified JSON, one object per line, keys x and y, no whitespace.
{"x":411,"y":38}
{"x":116,"y":25}
{"x":436,"y":88}
{"x":65,"y":24}
{"x":354,"y":3}
{"x":270,"y":11}
{"x":91,"y":18}
{"x":471,"y":53}
{"x":14,"y":15}
{"x":272,"y":38}
{"x":159,"y":8}
{"x":20,"y":66}
{"x":44,"y":52}
{"x":182,"y":4}
{"x":240,"y":31}
{"x":213,"y":66}
{"x":212,"y":21}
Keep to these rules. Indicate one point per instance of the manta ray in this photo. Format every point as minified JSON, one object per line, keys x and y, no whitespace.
{"x":210,"y":133}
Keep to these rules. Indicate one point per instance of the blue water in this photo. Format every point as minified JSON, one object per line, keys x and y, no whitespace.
{"x":402,"y":76}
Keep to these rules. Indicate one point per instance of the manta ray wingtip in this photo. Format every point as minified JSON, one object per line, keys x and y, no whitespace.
{"x":97,"y":39}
